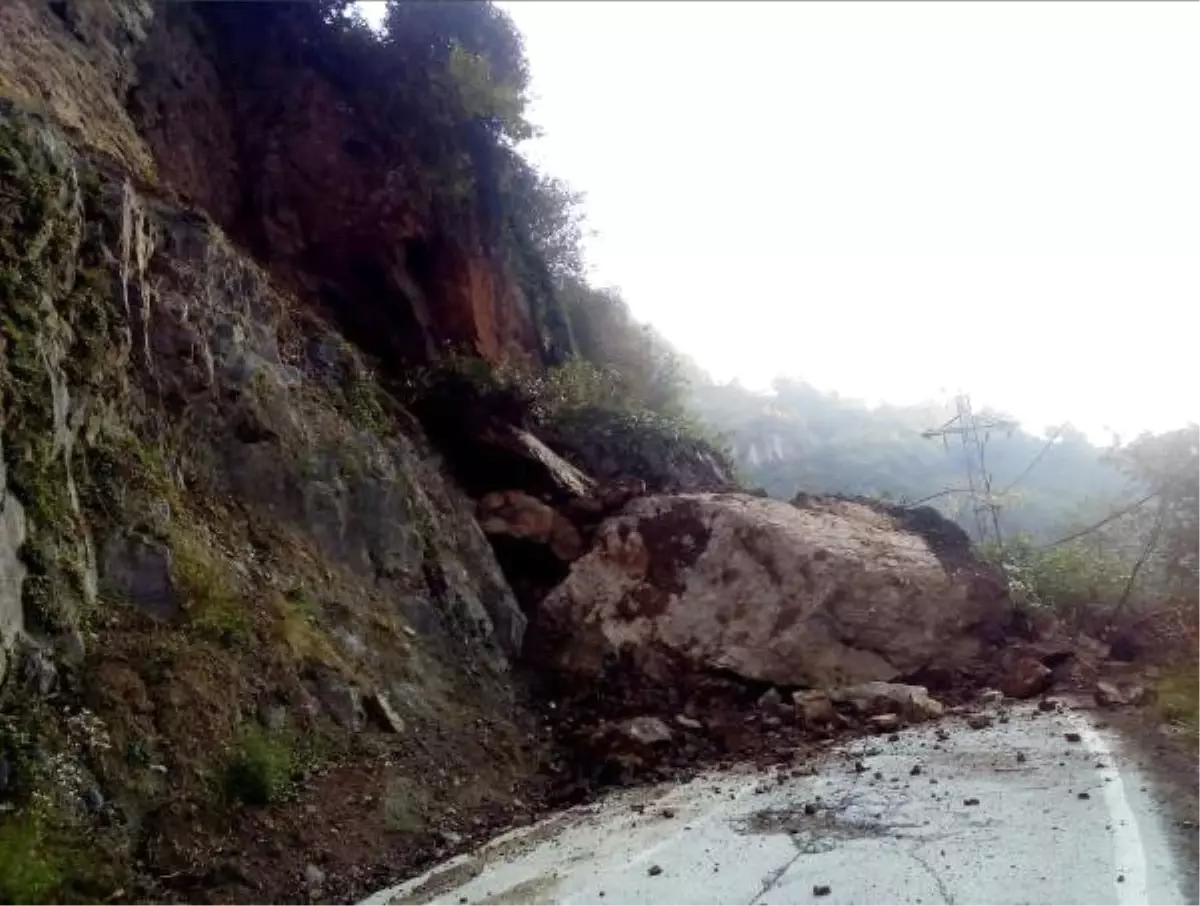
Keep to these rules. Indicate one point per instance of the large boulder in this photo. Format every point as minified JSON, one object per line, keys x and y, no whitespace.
{"x":826,"y":595}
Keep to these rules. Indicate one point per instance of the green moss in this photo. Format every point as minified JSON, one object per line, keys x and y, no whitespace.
{"x":29,"y":871}
{"x":364,"y":408}
{"x":260,"y":770}
{"x":1178,"y":697}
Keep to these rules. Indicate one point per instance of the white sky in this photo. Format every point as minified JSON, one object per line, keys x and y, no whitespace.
{"x":894,"y":200}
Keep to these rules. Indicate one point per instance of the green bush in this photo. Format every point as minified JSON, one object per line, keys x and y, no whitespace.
{"x":260,"y":770}
{"x":29,"y":873}
{"x":1071,"y":581}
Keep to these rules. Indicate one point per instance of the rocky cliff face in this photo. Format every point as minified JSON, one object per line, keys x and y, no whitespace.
{"x":231,"y":567}
{"x":222,"y":526}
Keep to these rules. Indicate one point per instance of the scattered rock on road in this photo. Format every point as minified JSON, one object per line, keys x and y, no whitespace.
{"x":978,"y":721}
{"x":876,"y":698}
{"x":884,"y":723}
{"x":1107,"y":695}
{"x":1110,"y":695}
{"x":971,"y":801}
{"x":1026,"y":677}
{"x":654,"y":870}
{"x":1072,"y":737}
{"x":814,"y":708}
{"x":821,"y":890}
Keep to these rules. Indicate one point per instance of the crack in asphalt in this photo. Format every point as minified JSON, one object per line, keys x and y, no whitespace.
{"x":773,"y":878}
{"x":947,"y":897}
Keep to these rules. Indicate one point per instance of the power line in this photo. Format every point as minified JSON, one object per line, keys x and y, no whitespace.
{"x":1125,"y":511}
{"x":1029,"y":468}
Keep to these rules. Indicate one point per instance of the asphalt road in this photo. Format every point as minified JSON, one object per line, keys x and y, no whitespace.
{"x":1069,"y":822}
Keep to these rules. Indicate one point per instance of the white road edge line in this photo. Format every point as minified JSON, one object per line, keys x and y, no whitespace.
{"x":1129,"y":854}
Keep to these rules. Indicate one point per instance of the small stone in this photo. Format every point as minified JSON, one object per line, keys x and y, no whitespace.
{"x":94,"y":799}
{"x":916,"y":771}
{"x":859,"y":768}
{"x":879,"y":775}
{"x":1048,"y":704}
{"x":883,"y":723}
{"x":894,"y":737}
{"x":273,"y":717}
{"x":646,"y":731}
{"x":1026,"y":678}
{"x":1072,"y":737}
{"x":979,"y":721}
{"x":971,"y":801}
{"x":668,"y":813}
{"x":1021,"y":758}
{"x":1120,"y":879}
{"x":1108,"y":695}
{"x":813,"y":708}
{"x":810,"y":808}
{"x":381,"y":711}
{"x":313,"y":875}
{"x":654,"y":870}
{"x":821,"y":890}
{"x":1085,"y":796}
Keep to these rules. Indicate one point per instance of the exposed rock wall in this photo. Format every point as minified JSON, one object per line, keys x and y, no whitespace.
{"x":236,"y":111}
{"x":224,"y":527}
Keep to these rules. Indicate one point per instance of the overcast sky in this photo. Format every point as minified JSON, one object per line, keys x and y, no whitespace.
{"x":894,"y":200}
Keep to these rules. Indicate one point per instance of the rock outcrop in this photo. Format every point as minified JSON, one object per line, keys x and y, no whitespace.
{"x":215,"y":525}
{"x":831,"y":594}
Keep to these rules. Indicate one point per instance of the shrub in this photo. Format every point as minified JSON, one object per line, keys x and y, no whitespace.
{"x":212,"y":602}
{"x":260,"y":770}
{"x":1072,"y":582}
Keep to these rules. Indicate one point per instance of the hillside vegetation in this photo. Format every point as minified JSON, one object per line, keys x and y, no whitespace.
{"x":797,"y":438}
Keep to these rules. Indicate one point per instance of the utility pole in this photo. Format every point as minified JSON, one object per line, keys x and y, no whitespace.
{"x":967,"y":425}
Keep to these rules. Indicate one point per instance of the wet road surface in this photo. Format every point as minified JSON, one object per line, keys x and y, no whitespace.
{"x":1013,"y":813}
